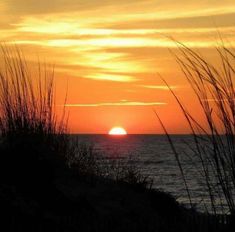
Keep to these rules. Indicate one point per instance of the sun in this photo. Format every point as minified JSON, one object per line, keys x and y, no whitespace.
{"x":117,"y":131}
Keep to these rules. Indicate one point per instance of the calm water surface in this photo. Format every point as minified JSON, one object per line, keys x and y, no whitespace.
{"x":153,"y":155}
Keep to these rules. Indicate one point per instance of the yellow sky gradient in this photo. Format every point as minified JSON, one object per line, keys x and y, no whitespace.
{"x":112,"y":54}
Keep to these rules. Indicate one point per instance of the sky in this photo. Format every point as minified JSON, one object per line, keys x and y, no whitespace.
{"x":110,"y":56}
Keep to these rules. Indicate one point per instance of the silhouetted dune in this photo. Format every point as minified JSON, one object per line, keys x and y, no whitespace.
{"x":71,"y":204}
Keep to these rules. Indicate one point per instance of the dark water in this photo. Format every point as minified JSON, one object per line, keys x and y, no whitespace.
{"x":153,"y":156}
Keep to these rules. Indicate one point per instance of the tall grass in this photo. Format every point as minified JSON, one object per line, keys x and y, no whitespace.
{"x":27,"y":102}
{"x":125,"y":170}
{"x":213,"y":149}
{"x":32,"y":139}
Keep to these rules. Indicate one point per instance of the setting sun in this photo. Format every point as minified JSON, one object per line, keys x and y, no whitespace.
{"x":117,"y":131}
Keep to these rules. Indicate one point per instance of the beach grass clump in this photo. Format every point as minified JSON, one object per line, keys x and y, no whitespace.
{"x":84,"y":161}
{"x":131,"y":174}
{"x":125,"y":170}
{"x":32,"y":139}
{"x":213,"y":148}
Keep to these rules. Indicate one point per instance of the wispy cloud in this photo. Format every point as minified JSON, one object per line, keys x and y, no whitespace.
{"x":160,"y":87}
{"x":122,"y":103}
{"x":60,"y":28}
{"x":111,"y":77}
{"x":117,"y":42}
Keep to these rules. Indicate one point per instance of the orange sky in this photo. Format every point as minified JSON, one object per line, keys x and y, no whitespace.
{"x":112,"y":52}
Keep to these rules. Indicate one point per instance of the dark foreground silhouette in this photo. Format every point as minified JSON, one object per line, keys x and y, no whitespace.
{"x":46,"y":195}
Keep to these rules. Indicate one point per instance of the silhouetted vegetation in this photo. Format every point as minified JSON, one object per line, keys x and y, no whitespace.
{"x":213,"y":148}
{"x":124,"y":170}
{"x":33,"y":143}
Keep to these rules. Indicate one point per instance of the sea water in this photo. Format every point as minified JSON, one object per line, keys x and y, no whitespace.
{"x":153,"y":156}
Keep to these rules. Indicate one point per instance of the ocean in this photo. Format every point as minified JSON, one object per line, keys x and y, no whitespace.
{"x":153,"y":156}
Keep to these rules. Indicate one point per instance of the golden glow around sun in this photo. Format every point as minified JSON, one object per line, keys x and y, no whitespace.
{"x":117,"y":131}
